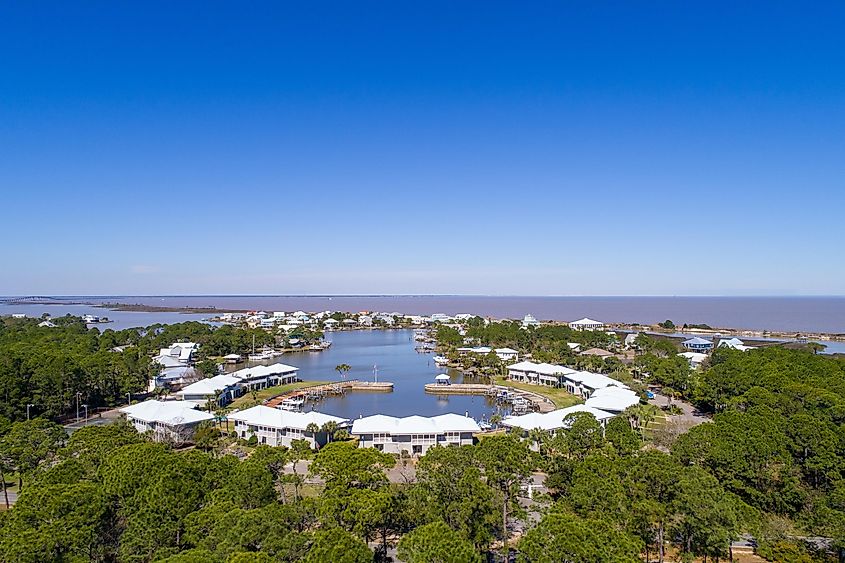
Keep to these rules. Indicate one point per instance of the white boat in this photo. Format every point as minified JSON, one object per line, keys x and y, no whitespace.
{"x":440,"y":360}
{"x":293,"y":404}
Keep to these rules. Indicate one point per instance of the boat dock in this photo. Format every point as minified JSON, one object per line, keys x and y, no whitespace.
{"x":531,"y":401}
{"x":321,"y":391}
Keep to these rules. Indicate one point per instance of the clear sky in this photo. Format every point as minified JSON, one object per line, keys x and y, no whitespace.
{"x":548,"y":148}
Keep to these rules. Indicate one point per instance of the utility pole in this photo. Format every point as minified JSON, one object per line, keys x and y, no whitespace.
{"x":78,"y":394}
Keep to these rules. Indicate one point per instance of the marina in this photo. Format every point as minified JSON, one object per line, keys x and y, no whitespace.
{"x":402,"y":375}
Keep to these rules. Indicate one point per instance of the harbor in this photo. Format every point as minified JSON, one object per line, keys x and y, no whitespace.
{"x":518,"y":401}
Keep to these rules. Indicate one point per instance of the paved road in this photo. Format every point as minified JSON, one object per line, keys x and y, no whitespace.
{"x":689,"y":418}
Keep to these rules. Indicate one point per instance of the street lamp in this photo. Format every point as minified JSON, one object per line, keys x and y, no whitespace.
{"x":86,"y":413}
{"x":129,"y":398}
{"x":27,"y":409}
{"x":78,"y":394}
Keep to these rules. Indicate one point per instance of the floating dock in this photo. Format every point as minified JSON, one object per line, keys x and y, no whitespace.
{"x":540,"y":403}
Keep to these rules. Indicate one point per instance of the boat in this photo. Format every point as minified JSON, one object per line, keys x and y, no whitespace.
{"x":294,"y":404}
{"x":440,"y":360}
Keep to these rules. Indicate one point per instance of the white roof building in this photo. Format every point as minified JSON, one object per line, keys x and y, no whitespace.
{"x":277,"y":427}
{"x":168,"y":420}
{"x":586,"y":383}
{"x":167,"y":361}
{"x":260,"y":377}
{"x":529,"y":320}
{"x":539,"y":374}
{"x":697,"y":344}
{"x":554,"y":420}
{"x":613,"y":399}
{"x":695,"y":359}
{"x":736,"y":344}
{"x":413,"y":434}
{"x":204,"y":389}
{"x":586,"y":324}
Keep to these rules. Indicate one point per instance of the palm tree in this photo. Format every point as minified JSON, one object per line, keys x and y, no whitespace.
{"x":342,"y":369}
{"x":312,"y":428}
{"x":330,"y":428}
{"x":537,"y":436}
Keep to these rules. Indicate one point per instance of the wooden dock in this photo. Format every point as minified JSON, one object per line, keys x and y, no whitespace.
{"x":321,"y":391}
{"x":541,"y":403}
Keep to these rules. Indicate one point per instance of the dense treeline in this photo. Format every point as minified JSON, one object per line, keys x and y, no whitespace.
{"x":108,"y":494}
{"x":47,"y":366}
{"x":778,"y":437}
{"x":770,"y":464}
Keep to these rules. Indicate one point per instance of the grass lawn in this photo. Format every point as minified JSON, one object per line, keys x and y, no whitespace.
{"x":260,"y":396}
{"x":560,"y":397}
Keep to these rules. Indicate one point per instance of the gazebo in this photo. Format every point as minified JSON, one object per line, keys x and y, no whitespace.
{"x":442,"y":379}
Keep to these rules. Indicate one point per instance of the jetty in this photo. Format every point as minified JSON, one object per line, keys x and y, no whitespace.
{"x":323,"y":390}
{"x":539,"y":402}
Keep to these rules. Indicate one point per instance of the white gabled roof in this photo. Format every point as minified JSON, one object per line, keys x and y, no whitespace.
{"x":553,"y":420}
{"x":264,"y":371}
{"x":522,"y":366}
{"x":167,"y":361}
{"x":166,"y":412}
{"x":696,"y":357}
{"x":586,"y":321}
{"x":209,"y":386}
{"x":261,"y":415}
{"x":544,"y":368}
{"x":414,"y":424}
{"x":506,"y":351}
{"x":595,"y":380}
{"x":697,"y":340}
{"x":613,"y":399}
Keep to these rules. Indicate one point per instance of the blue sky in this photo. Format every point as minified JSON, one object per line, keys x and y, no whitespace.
{"x":551,"y":148}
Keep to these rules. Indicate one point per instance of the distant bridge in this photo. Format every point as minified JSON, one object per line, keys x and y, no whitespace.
{"x":38,"y":300}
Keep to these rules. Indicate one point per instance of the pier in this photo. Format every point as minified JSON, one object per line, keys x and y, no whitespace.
{"x":539,"y":402}
{"x":321,"y":391}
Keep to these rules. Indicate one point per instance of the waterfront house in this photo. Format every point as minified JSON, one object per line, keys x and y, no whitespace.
{"x":586,"y":324}
{"x":529,"y":320}
{"x":46,"y":324}
{"x":277,"y":427}
{"x":697,"y":344}
{"x":220,"y":389}
{"x":554,"y":420}
{"x":735,"y":343}
{"x":330,"y":323}
{"x":232,"y":358}
{"x":261,"y":377}
{"x":550,"y":375}
{"x":171,"y":421}
{"x":586,"y":383}
{"x":613,"y":399}
{"x":507,"y":354}
{"x":413,"y":434}
{"x":365,"y":320}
